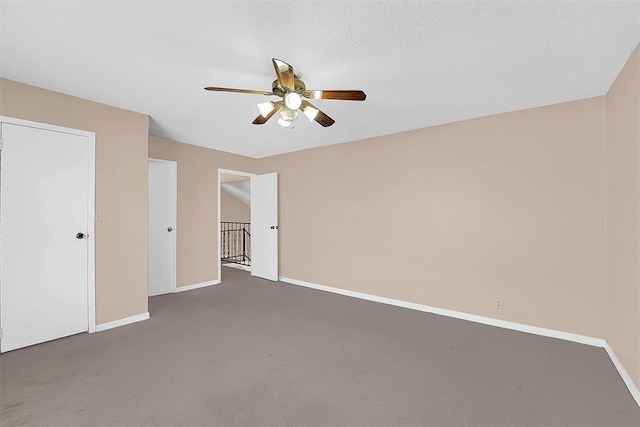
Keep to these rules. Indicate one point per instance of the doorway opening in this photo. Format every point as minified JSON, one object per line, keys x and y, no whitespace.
{"x":234,"y":220}
{"x":263,"y":210}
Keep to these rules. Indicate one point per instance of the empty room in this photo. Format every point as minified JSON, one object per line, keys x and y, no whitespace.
{"x":320,"y":213}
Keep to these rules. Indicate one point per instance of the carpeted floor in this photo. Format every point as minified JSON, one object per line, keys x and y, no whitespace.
{"x":250,"y":352}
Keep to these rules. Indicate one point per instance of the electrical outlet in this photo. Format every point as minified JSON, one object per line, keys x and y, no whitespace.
{"x":499,"y":304}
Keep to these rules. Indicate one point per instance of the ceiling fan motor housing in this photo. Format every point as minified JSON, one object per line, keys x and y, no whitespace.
{"x":299,"y":87}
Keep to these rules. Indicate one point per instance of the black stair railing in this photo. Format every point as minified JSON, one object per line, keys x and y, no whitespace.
{"x":235,"y":242}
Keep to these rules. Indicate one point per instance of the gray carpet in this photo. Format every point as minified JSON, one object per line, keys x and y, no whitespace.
{"x":251,"y":352}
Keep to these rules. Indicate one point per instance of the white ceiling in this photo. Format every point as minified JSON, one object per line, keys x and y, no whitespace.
{"x":421,"y":63}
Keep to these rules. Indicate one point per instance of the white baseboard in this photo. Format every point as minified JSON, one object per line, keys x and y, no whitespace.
{"x":122,"y":322}
{"x":635,"y":392}
{"x":582,"y":339}
{"x":237,"y":266}
{"x":196,"y":286}
{"x":145,"y":316}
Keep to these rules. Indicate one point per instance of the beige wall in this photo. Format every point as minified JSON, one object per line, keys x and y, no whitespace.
{"x":232,"y":209}
{"x":540,"y":208}
{"x":197,"y":204}
{"x":121,"y":189}
{"x":510,"y":206}
{"x":623,"y":216}
{"x":226,"y":177}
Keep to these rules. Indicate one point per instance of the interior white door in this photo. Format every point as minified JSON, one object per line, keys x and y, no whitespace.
{"x":163,"y":177}
{"x":44,"y":195}
{"x":264,"y":226}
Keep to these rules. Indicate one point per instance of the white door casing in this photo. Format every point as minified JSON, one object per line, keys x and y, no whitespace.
{"x":264,"y":226}
{"x":162,"y":232}
{"x":47,"y":247}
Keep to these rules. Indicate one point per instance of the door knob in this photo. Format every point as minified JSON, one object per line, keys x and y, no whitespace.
{"x":169,"y":229}
{"x":80,"y":236}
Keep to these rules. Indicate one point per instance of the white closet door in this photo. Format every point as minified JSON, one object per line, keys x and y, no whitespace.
{"x":44,"y":242}
{"x":264,"y":226}
{"x":162,"y":215}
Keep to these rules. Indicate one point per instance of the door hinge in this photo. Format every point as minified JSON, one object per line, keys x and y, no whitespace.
{"x":0,"y":144}
{"x":0,"y":333}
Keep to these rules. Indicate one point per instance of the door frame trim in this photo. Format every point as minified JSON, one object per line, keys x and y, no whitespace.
{"x":91,"y":202}
{"x":228,"y":172}
{"x":174,"y":214}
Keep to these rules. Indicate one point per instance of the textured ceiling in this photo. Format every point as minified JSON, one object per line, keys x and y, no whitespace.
{"x":420,"y":63}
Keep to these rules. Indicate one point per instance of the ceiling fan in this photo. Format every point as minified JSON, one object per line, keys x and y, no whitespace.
{"x":294,"y":96}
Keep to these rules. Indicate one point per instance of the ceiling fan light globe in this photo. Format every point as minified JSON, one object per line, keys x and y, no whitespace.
{"x":292,"y":100}
{"x":265,"y":108}
{"x":310,"y":112}
{"x":284,"y":123}
{"x":288,"y":114}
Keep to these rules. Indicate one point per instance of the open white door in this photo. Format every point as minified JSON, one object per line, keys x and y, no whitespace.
{"x":162,"y":215}
{"x":264,"y":226}
{"x":47,"y":230}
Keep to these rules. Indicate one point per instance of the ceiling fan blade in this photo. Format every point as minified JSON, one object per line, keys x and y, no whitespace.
{"x":315,"y":114}
{"x":226,"y":89}
{"x":260,"y":120}
{"x":343,"y":95}
{"x":284,"y":72}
